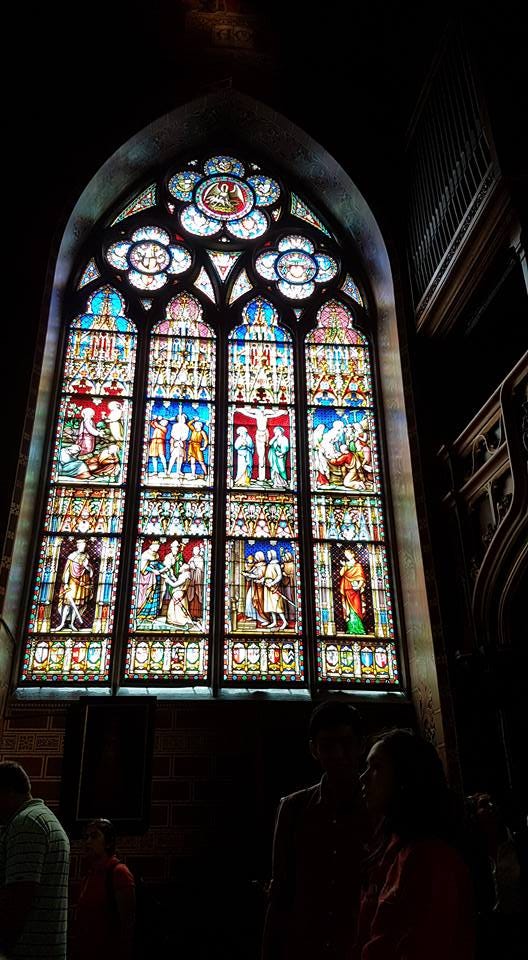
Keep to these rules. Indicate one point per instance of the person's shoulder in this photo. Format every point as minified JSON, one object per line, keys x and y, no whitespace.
{"x":32,"y":813}
{"x":34,"y":824}
{"x":300,"y":797}
{"x":433,"y":854}
{"x":44,"y":815}
{"x":122,"y":876}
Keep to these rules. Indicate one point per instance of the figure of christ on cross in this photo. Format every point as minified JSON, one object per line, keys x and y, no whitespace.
{"x":261,"y":416}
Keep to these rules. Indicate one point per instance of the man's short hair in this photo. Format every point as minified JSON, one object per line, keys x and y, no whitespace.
{"x":334,"y":713}
{"x":14,"y":777}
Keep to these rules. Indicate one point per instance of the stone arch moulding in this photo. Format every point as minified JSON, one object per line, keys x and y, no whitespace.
{"x":222,"y":117}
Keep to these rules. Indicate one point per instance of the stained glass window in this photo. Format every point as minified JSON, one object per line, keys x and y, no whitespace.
{"x":73,"y":604}
{"x":169,"y":617}
{"x":299,"y":209}
{"x":263,"y":619}
{"x":146,"y":199}
{"x":354,"y":619}
{"x":89,"y":273}
{"x":215,"y":506}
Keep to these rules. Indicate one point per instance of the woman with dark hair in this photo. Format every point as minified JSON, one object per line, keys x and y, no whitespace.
{"x":417,"y":901}
{"x":105,"y":914}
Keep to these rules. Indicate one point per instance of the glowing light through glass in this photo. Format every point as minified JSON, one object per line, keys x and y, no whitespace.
{"x":170,"y":602}
{"x":354,"y":615}
{"x":69,"y":632}
{"x":263,"y":617}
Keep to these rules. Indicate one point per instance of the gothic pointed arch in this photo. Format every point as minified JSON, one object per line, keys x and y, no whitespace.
{"x":121,"y":195}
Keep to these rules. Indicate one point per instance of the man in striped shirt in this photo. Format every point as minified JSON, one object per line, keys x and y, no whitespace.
{"x":34,"y":862}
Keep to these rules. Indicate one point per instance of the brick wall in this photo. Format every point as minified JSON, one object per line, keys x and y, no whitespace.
{"x":219,"y":769}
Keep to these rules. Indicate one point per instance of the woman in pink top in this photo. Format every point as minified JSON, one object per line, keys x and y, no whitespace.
{"x":417,"y":901}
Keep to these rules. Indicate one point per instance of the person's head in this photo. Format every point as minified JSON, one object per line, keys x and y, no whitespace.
{"x":80,"y":544}
{"x":335,"y":733}
{"x":15,"y":789}
{"x":116,"y":410}
{"x":484,"y":814}
{"x":404,"y":784}
{"x":99,"y":839}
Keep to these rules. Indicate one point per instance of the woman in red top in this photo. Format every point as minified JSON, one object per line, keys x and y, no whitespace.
{"x":417,"y":901}
{"x":104,"y":921}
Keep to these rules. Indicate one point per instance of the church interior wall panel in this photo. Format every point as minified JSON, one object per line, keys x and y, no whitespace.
{"x":210,"y":780}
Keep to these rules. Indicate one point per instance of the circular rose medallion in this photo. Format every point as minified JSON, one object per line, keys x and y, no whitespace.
{"x":224,"y":165}
{"x":117,"y":254}
{"x":224,"y":198}
{"x":296,"y":267}
{"x":149,"y":257}
{"x":181,"y":185}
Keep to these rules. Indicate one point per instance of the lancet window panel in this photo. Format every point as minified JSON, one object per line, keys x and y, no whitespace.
{"x":71,"y":617}
{"x":170,"y":607}
{"x":353,"y":596}
{"x":263,"y":563}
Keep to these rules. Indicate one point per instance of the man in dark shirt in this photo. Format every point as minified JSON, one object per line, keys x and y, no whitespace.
{"x":318,"y":845}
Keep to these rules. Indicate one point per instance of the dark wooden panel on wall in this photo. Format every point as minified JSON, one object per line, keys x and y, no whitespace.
{"x":108,"y":762}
